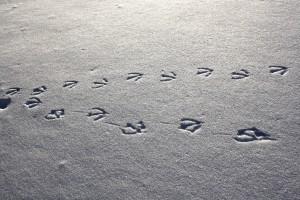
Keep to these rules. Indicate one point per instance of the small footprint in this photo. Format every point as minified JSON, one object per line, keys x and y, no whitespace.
{"x":134,"y":76}
{"x":70,"y":84}
{"x":240,"y":74}
{"x":130,"y":129}
{"x":99,"y":84}
{"x":55,"y":114}
{"x":278,"y":70}
{"x":4,"y":102}
{"x":168,"y":76}
{"x":203,"y":71}
{"x":12,"y":91}
{"x":251,"y":134}
{"x":39,"y":90}
{"x":97,"y":114}
{"x":190,"y":125}
{"x":33,"y":102}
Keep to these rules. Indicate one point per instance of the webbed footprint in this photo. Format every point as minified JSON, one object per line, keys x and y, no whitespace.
{"x":203,"y":71}
{"x":97,"y":114}
{"x":55,"y":114}
{"x":251,"y":134}
{"x":278,"y":70}
{"x":191,"y":125}
{"x":99,"y":84}
{"x":134,"y":76}
{"x":167,"y":76}
{"x":33,"y":102}
{"x":131,"y":129}
{"x":70,"y":84}
{"x":240,"y":74}
{"x":39,"y":90}
{"x":13,"y":91}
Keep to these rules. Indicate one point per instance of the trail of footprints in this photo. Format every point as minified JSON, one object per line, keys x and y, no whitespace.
{"x":98,"y":114}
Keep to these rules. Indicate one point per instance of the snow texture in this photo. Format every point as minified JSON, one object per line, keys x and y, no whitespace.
{"x":149,"y":99}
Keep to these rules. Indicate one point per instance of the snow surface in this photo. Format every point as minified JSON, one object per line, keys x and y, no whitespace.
{"x":149,"y":99}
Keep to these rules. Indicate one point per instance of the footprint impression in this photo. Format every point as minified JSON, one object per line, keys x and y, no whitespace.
{"x":240,"y":74}
{"x":33,"y":102}
{"x":100,"y":84}
{"x":70,"y":84}
{"x":55,"y":114}
{"x":203,"y":71}
{"x":13,"y":91}
{"x":134,"y":76}
{"x":167,"y":76}
{"x":4,"y":102}
{"x":278,"y":70}
{"x":97,"y":114}
{"x":251,"y":134}
{"x":190,"y":125}
{"x":131,"y":129}
{"x":39,"y":90}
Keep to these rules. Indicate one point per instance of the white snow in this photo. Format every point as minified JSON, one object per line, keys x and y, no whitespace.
{"x":145,"y":99}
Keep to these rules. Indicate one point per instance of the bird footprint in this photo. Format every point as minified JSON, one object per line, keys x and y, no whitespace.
{"x":251,"y":134}
{"x":205,"y":71}
{"x":134,"y":76}
{"x":70,"y":84}
{"x":55,"y":114}
{"x":4,"y":102}
{"x":190,"y":125}
{"x":13,"y":91}
{"x":240,"y":74}
{"x":278,"y":70}
{"x":168,"y":76}
{"x":97,"y":114}
{"x":39,"y":90}
{"x":130,"y":129}
{"x":33,"y":102}
{"x":99,"y":84}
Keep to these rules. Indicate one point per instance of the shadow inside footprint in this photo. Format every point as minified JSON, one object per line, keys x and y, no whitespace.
{"x":4,"y":102}
{"x":191,"y":125}
{"x":97,"y":114}
{"x":130,"y":129}
{"x":55,"y":114}
{"x":39,"y":90}
{"x":251,"y":134}
{"x":33,"y":102}
{"x":13,"y":91}
{"x":240,"y":74}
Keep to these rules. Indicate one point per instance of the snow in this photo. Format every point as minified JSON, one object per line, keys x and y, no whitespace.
{"x":149,"y":99}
